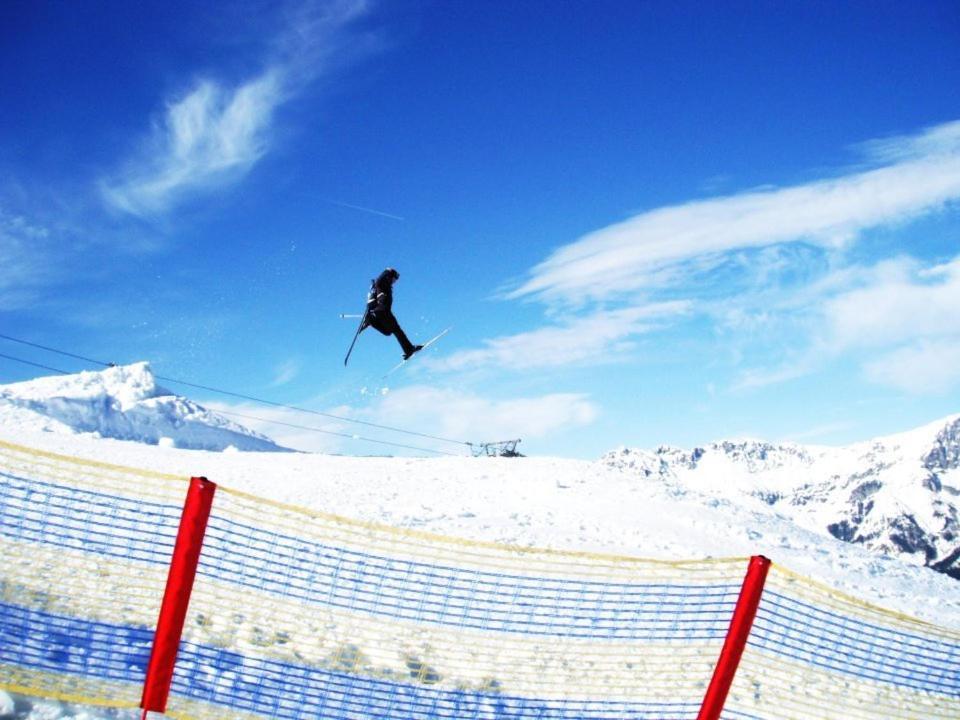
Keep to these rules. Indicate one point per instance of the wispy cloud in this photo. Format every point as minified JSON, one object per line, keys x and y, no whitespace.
{"x":599,"y":337}
{"x":291,"y":428}
{"x":897,"y":318}
{"x":901,"y":301}
{"x":286,"y":372}
{"x":927,"y":367}
{"x":463,"y":415}
{"x":211,"y":136}
{"x":214,"y":133}
{"x":664,"y":246}
{"x":908,"y":320}
{"x":24,"y":257}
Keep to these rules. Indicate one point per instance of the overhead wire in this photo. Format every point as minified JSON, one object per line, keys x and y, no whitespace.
{"x":249,"y":398}
{"x":332,"y":432}
{"x":58,"y":352}
{"x":36,"y":365}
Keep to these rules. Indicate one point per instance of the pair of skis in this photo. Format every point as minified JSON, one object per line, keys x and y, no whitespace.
{"x":362,"y":325}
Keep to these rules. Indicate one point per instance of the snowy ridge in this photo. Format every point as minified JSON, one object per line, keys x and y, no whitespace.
{"x":124,"y":403}
{"x":896,"y":495}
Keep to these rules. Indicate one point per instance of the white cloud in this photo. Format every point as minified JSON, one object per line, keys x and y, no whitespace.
{"x":462,"y":415}
{"x":932,"y":141}
{"x":927,"y":367}
{"x":25,"y":250}
{"x":214,"y":134}
{"x":901,"y":303}
{"x":910,"y":318}
{"x":599,"y":337}
{"x":209,"y":137}
{"x":898,"y":319}
{"x":663,"y":246}
{"x":292,"y":428}
{"x":753,"y":378}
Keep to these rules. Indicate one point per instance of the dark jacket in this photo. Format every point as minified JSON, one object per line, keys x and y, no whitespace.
{"x":381,"y":294}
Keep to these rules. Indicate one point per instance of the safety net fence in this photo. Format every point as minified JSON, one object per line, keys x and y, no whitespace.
{"x":300,"y":614}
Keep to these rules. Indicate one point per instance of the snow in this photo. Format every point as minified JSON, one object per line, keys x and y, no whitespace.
{"x":122,"y":402}
{"x":895,"y":495}
{"x":733,"y":498}
{"x":6,"y":704}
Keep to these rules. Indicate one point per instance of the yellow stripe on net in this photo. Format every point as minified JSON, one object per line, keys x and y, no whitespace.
{"x":69,"y":688}
{"x":310,"y":525}
{"x":41,"y":466}
{"x":788,"y":581}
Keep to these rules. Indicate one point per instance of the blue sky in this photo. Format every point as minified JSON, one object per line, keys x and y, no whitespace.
{"x":647,"y":222}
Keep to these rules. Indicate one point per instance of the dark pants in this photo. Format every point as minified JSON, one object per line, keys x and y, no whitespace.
{"x":386,"y":323}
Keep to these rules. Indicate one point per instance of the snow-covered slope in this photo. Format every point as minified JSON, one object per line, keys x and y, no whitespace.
{"x":543,"y":502}
{"x":726,"y":499}
{"x":125,"y":403}
{"x":896,"y":495}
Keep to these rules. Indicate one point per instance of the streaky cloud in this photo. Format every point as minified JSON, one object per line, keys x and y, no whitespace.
{"x":213,"y":134}
{"x":596,"y":338}
{"x":658,"y":248}
{"x":25,"y":251}
{"x":286,"y":372}
{"x":210,"y":137}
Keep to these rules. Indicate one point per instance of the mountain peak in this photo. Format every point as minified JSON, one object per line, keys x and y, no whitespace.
{"x":125,"y":385}
{"x":945,"y":453}
{"x":123,"y":402}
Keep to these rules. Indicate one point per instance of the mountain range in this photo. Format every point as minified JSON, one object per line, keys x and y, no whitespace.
{"x":896,"y":495}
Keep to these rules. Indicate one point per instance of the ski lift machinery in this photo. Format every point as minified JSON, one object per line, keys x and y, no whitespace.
{"x":502,"y":448}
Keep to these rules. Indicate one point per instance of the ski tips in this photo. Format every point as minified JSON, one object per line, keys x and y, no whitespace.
{"x":425,"y":345}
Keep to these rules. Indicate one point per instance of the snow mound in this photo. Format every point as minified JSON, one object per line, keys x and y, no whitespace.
{"x":123,"y":403}
{"x":896,"y":495}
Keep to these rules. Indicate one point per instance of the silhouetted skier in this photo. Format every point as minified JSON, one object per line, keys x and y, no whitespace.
{"x":380,"y":311}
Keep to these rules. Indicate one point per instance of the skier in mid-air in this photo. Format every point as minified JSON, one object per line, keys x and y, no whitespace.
{"x":380,"y":311}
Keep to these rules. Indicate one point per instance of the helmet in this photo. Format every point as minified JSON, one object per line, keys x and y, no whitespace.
{"x":393,"y":273}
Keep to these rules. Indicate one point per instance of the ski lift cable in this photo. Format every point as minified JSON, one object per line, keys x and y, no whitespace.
{"x":59,"y":352}
{"x":241,"y":396}
{"x":260,"y":419}
{"x":314,"y":412}
{"x":36,"y":365}
{"x":332,"y":432}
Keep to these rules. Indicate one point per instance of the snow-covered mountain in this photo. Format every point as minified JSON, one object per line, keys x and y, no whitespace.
{"x":897,"y":495}
{"x":124,"y":403}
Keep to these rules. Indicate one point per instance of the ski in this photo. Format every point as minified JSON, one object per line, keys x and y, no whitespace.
{"x":356,"y":335}
{"x":427,"y":344}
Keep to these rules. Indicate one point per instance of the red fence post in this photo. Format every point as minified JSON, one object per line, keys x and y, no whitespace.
{"x":173,"y":610}
{"x":737,"y":635}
